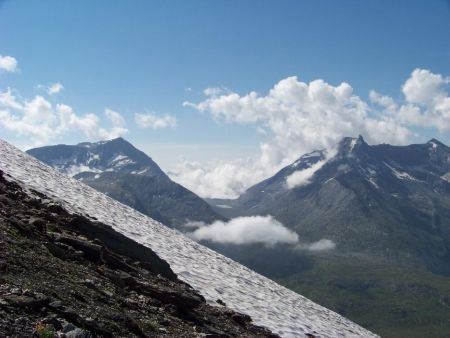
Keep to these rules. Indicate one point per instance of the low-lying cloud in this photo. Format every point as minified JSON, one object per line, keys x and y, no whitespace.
{"x":320,"y":245}
{"x":303,"y":177}
{"x":246,"y":230}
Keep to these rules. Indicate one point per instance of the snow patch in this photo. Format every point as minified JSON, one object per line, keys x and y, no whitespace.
{"x":446,"y":177}
{"x":315,"y":153}
{"x":76,"y":169}
{"x":224,"y":206}
{"x":373,"y":182}
{"x":118,"y":158}
{"x":141,"y":172}
{"x":400,"y":174}
{"x":121,"y":160}
{"x":353,"y":144}
{"x":93,"y":157}
{"x":371,"y":171}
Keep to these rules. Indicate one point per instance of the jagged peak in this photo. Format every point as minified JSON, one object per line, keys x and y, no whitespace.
{"x":435,"y":142}
{"x":349,"y":145}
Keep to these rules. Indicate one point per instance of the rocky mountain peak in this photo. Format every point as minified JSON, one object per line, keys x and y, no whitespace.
{"x":349,"y":146}
{"x":436,"y":143}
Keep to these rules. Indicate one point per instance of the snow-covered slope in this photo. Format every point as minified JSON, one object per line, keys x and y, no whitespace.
{"x":214,"y":275}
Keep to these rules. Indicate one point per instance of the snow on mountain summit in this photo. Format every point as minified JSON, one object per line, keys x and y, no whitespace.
{"x":213,"y":275}
{"x":115,"y":155}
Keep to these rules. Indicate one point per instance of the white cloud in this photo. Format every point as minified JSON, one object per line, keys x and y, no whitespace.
{"x":151,"y":120}
{"x":302,"y":177}
{"x":8,"y":100}
{"x":218,"y":178}
{"x":246,"y":230}
{"x":55,"y":88}
{"x":385,"y":102}
{"x":118,"y":125}
{"x":42,"y":121}
{"x":300,"y":117}
{"x":36,"y":117}
{"x":424,"y":87}
{"x":8,"y":63}
{"x":68,"y":120}
{"x":320,"y":245}
{"x":51,"y":89}
{"x":116,"y":119}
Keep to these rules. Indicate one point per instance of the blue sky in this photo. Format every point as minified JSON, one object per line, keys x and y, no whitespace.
{"x":151,"y":56}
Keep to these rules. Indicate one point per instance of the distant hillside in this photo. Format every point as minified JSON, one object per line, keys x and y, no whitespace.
{"x":128,"y":175}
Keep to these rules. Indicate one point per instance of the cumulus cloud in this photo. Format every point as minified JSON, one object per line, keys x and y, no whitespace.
{"x":321,"y":245}
{"x":302,"y":177}
{"x":36,"y":118}
{"x":8,"y":63}
{"x":42,"y":121}
{"x":303,"y":116}
{"x":246,"y":230}
{"x":424,"y":87}
{"x":68,"y":120}
{"x":296,"y":117}
{"x":118,"y":125}
{"x":151,"y":120}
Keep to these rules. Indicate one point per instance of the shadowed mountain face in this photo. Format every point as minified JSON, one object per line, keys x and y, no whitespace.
{"x":128,"y":175}
{"x":383,"y":201}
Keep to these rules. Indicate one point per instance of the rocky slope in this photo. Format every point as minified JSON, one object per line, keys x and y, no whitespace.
{"x":121,"y":171}
{"x":67,"y":275}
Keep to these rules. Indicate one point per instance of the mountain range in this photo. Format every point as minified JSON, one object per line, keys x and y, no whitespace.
{"x":383,"y":201}
{"x":378,"y":215}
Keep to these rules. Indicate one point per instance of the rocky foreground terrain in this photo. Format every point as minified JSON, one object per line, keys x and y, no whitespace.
{"x":64,"y":275}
